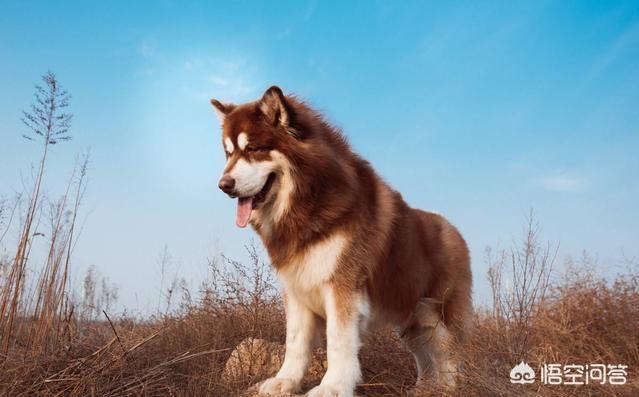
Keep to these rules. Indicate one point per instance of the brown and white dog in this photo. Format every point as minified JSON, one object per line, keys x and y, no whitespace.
{"x":349,"y":252}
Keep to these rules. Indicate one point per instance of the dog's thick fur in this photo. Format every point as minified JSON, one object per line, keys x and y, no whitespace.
{"x":349,"y":251}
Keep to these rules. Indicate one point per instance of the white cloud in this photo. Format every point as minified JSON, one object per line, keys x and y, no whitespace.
{"x":227,"y":80}
{"x":198,"y":78}
{"x":562,"y":181}
{"x":147,"y":49}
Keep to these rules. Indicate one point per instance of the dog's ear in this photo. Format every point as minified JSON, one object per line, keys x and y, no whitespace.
{"x":276,"y":109}
{"x":222,"y":109}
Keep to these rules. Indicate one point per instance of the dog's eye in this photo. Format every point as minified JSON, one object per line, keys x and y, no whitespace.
{"x":257,"y":149}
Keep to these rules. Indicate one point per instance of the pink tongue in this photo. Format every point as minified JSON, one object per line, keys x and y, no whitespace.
{"x":244,"y":208}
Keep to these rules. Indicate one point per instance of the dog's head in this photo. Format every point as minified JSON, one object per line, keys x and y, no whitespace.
{"x":255,"y":137}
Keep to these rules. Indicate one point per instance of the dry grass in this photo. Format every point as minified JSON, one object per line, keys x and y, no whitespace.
{"x":582,"y":320}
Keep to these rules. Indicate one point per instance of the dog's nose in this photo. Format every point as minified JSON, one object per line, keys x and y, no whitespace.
{"x":226,"y":184}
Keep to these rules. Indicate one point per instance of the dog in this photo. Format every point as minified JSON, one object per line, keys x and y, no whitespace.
{"x":351,"y":255}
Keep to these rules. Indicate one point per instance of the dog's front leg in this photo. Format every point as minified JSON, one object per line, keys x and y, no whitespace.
{"x":300,"y":334}
{"x":343,"y":322}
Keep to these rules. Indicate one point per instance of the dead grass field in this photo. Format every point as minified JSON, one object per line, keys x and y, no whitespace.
{"x":581,"y":319}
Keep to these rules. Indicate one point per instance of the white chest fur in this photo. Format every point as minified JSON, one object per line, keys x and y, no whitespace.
{"x":306,"y":277}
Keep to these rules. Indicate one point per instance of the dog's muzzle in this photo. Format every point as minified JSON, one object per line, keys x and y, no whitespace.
{"x":227,"y":184}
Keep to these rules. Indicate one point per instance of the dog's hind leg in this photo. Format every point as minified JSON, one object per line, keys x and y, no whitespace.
{"x":430,"y":342}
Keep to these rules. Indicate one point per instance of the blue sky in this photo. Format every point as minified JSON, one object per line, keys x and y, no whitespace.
{"x":477,"y":110}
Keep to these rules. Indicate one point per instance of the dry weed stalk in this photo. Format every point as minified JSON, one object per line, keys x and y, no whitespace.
{"x":49,"y":123}
{"x":51,"y":297}
{"x":519,"y":279}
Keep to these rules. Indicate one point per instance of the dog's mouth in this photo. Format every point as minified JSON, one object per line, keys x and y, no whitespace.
{"x":246,"y":205}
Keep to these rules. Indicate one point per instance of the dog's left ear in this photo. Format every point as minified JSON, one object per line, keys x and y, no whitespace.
{"x":276,"y":109}
{"x":222,"y":109}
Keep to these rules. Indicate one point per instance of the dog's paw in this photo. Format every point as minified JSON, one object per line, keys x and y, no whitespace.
{"x":329,"y":391}
{"x":278,"y":386}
